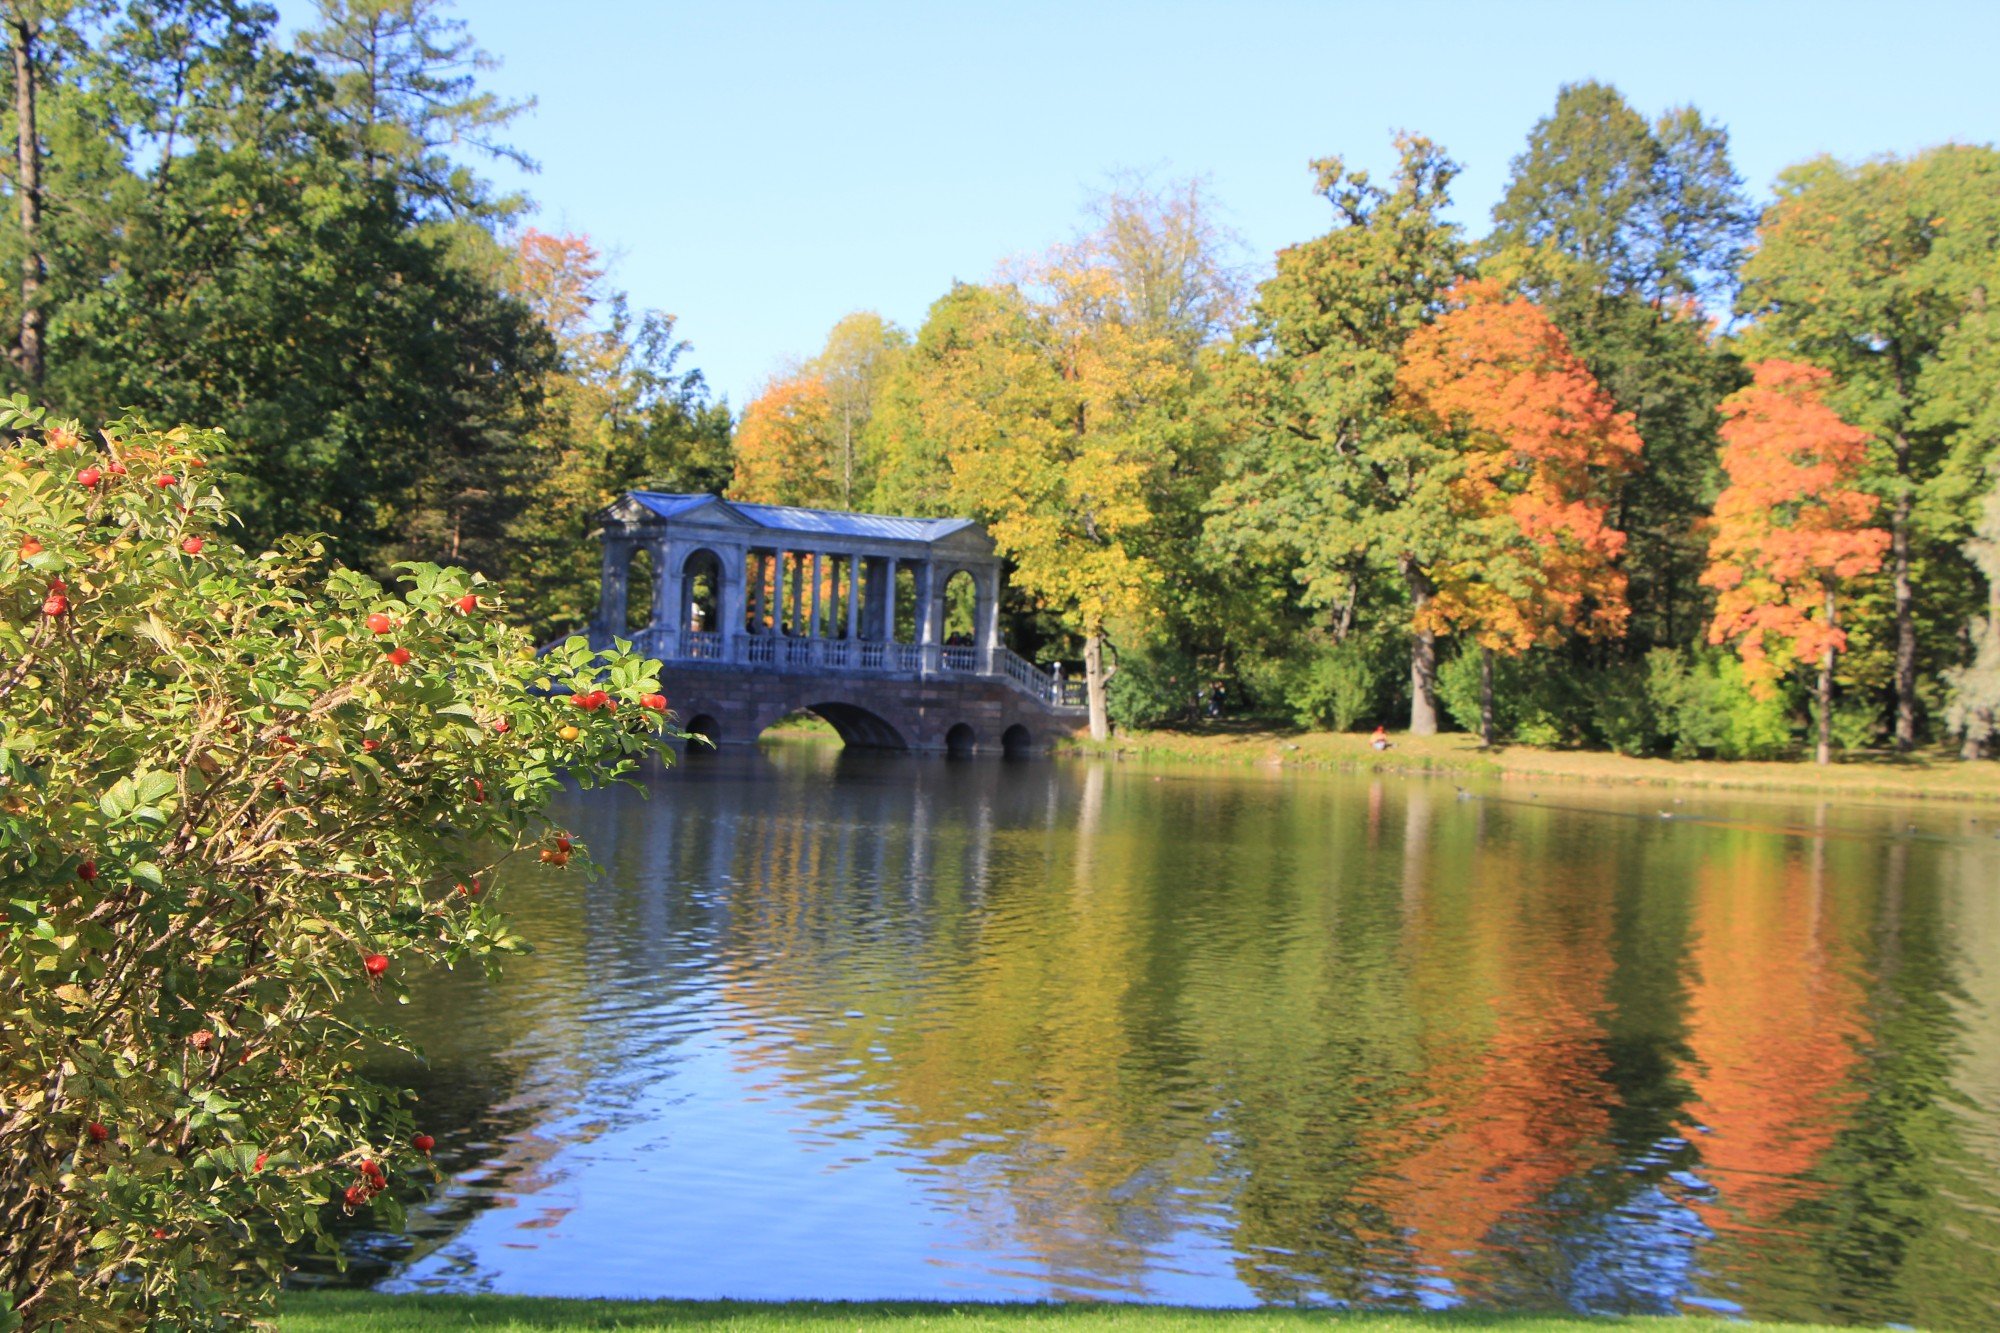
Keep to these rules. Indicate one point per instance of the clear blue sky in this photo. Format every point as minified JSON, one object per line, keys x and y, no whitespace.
{"x":760,"y":169}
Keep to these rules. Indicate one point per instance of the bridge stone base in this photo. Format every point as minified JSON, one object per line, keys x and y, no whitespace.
{"x":950,"y":714}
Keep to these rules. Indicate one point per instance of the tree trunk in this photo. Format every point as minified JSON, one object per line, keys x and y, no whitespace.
{"x":28,"y":155}
{"x":1824,"y":754}
{"x":1485,"y":696}
{"x":1093,"y":686}
{"x":1423,"y":656}
{"x":1906,"y":621}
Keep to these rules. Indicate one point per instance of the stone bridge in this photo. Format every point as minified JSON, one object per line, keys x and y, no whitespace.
{"x":886,"y":627}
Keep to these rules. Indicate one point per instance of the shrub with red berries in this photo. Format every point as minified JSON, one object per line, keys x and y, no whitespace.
{"x":232,"y":816}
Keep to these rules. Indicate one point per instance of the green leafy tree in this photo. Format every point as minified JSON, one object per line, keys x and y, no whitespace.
{"x":406,"y":97}
{"x":1974,"y":714}
{"x":1627,"y":233}
{"x":242,"y":799}
{"x":1879,"y":272}
{"x":1325,"y":478}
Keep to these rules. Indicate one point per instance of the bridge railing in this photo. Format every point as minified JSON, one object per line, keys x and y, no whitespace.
{"x":913,"y":659}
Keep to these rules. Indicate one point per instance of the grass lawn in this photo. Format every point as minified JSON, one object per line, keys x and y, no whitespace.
{"x":1933,"y":776}
{"x":364,"y":1312}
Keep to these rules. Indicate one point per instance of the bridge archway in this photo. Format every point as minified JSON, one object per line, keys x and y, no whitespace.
{"x":701,"y":591}
{"x":858,"y":726}
{"x":1017,"y":742}
{"x":961,"y":608}
{"x":704,"y":725}
{"x":961,"y":740}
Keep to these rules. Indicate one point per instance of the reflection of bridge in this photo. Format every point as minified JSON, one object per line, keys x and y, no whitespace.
{"x":889,"y":628}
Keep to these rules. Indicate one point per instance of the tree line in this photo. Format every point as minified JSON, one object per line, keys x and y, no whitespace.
{"x":1644,"y":466}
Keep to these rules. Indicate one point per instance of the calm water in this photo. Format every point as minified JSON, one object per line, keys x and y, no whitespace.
{"x":837,"y":1026}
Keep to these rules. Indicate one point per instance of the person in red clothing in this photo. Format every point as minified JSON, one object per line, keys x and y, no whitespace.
{"x":1380,"y":740}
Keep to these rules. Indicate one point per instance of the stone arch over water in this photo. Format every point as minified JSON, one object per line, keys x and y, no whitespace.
{"x":859,"y":726}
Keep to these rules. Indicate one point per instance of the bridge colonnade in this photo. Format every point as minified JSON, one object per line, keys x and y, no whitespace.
{"x":799,"y":602}
{"x":758,"y":611}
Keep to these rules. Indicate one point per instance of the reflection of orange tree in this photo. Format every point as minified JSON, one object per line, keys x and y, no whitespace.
{"x":1774,"y":1015}
{"x":1509,"y":963}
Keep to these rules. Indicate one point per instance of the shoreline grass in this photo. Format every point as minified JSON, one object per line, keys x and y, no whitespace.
{"x":1923,"y":776}
{"x":355,"y":1311}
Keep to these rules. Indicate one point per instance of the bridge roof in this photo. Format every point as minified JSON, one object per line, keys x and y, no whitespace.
{"x":824,"y":522}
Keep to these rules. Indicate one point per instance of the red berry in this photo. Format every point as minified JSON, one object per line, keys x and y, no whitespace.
{"x":585,"y":701}
{"x":196,"y":462}
{"x":478,"y":792}
{"x":262,"y":1158}
{"x":191,"y":545}
{"x":115,"y":468}
{"x":656,"y":702}
{"x":423,"y":1143}
{"x":376,"y":964}
{"x":55,"y":605}
{"x":380,"y":624}
{"x":468,"y":604}
{"x":98,"y":1133}
{"x":373,"y":1174}
{"x":159,"y":1233}
{"x":502,"y":725}
{"x":90,"y":476}
{"x":355,"y":1196}
{"x":371,"y":745}
{"x":87,"y":871}
{"x":399,"y":656}
{"x":562,"y":844}
{"x":29,"y":546}
{"x":163,"y":481}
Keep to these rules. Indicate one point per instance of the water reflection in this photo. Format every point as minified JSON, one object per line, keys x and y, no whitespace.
{"x":847,"y":1027}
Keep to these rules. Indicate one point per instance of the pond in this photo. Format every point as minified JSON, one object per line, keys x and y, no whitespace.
{"x":843,"y":1026}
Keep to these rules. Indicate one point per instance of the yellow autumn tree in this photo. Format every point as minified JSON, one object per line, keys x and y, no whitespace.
{"x":1049,"y":415}
{"x":784,"y":445}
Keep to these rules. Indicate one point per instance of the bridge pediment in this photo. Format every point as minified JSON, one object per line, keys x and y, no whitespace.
{"x":644,"y":509}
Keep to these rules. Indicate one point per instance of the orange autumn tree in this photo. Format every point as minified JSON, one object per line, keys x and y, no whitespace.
{"x":1789,"y":529}
{"x":1541,"y":451}
{"x":784,"y":445}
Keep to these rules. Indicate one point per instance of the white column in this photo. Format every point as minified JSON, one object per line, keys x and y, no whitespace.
{"x":798,"y":564}
{"x":987,"y":621}
{"x":615,"y":560}
{"x":818,"y":572}
{"x":729,"y":598}
{"x":889,"y":599}
{"x":853,"y":563}
{"x":927,"y":635}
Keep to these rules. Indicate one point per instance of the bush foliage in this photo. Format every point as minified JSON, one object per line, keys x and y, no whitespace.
{"x":239,"y":796}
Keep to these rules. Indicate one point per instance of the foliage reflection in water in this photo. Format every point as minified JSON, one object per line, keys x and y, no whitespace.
{"x":842,"y":1026}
